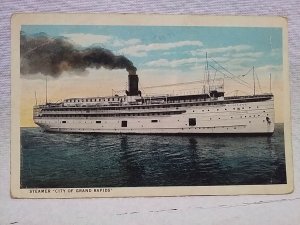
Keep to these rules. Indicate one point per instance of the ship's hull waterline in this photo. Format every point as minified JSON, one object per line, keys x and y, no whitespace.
{"x":255,"y":117}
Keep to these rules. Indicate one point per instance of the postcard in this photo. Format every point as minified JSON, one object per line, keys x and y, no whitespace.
{"x":125,"y":105}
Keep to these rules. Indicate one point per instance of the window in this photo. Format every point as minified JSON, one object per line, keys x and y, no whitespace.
{"x":154,"y":121}
{"x":63,"y":121}
{"x":192,"y":121}
{"x":98,"y":121}
{"x":124,"y":123}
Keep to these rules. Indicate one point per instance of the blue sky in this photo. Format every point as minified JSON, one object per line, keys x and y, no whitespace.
{"x":168,"y":55}
{"x":178,"y":47}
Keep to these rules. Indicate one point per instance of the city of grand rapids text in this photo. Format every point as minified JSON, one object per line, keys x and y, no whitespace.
{"x":69,"y":190}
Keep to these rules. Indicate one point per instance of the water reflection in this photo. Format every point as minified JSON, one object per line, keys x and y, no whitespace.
{"x":56,"y":160}
{"x":133,"y":170}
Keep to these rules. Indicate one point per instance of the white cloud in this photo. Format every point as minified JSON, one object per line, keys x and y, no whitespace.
{"x":248,"y":54}
{"x":234,"y":48}
{"x":171,"y":63}
{"x":88,"y":39}
{"x":276,"y":52}
{"x":121,"y":43}
{"x":179,"y":62}
{"x":141,"y":50}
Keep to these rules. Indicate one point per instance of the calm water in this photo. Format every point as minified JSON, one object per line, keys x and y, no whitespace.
{"x":51,"y":160}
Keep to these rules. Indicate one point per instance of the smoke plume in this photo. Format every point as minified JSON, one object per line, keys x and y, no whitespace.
{"x":53,"y":56}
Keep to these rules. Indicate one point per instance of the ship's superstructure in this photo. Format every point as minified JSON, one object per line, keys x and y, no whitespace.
{"x":205,"y":113}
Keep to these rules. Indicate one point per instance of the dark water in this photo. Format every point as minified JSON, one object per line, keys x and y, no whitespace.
{"x":52,"y":160}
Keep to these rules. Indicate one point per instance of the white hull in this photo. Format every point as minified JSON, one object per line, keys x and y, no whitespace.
{"x":233,"y":118}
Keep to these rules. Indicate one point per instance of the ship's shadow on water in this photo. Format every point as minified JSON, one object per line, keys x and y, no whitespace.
{"x":52,"y":160}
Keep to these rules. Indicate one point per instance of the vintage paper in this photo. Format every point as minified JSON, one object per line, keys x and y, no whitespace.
{"x":85,"y":56}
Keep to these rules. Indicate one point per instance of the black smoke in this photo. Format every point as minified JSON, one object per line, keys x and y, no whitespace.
{"x":50,"y":56}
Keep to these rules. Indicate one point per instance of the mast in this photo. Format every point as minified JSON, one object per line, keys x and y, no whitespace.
{"x":253,"y":80}
{"x":46,"y":90}
{"x":207,"y":71}
{"x":270,"y":83}
{"x":35,"y":98}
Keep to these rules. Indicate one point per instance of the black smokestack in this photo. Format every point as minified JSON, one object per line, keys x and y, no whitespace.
{"x":52,"y":56}
{"x":133,"y":84}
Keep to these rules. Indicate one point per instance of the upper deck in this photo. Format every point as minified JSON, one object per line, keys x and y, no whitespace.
{"x":154,"y":102}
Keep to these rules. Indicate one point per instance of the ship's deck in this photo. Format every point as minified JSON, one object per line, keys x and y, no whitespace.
{"x":170,"y":103}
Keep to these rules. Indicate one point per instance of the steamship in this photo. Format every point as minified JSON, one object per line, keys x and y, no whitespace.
{"x":208,"y":112}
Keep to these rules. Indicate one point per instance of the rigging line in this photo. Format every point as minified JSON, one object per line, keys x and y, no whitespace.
{"x":247,"y":85}
{"x":227,"y":70}
{"x":214,"y":77}
{"x":246,"y":73}
{"x":258,"y":82}
{"x":141,"y":86}
{"x":176,"y":84}
{"x":238,"y":91}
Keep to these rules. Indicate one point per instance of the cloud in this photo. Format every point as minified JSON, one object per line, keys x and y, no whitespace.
{"x":141,"y":50}
{"x":248,"y":55}
{"x":171,"y":63}
{"x":121,"y":43}
{"x":88,"y":39}
{"x":231,"y":49}
{"x":179,"y":62}
{"x":276,"y":52}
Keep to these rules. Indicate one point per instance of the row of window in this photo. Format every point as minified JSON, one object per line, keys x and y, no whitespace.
{"x":123,"y":99}
{"x":152,"y":106}
{"x":95,"y":99}
{"x":99,"y":121}
{"x":112,"y":115}
{"x":138,"y":114}
{"x":83,"y":111}
{"x":192,"y":122}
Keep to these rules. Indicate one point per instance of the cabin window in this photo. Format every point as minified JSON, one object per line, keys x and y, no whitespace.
{"x":124,"y":123}
{"x":154,"y":121}
{"x":192,"y":121}
{"x":63,"y":121}
{"x":98,"y":121}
